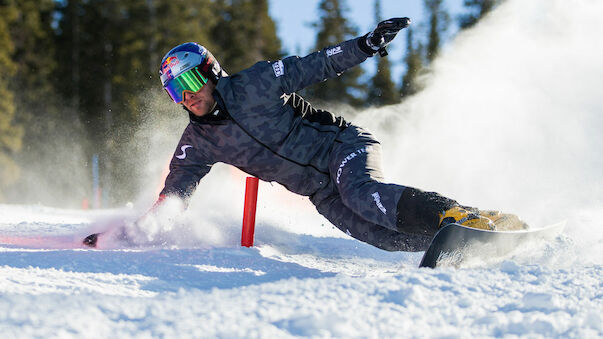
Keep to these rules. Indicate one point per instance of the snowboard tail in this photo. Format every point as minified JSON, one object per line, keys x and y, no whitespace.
{"x":454,"y":243}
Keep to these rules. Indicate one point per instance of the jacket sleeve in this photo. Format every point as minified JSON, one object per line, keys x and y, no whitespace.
{"x":296,"y":73}
{"x":267,"y":81}
{"x":188,"y":166}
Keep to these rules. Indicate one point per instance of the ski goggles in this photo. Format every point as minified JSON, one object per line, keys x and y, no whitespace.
{"x":190,"y":81}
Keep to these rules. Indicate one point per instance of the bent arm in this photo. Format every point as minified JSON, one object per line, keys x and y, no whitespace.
{"x":182,"y":180}
{"x":188,"y":166}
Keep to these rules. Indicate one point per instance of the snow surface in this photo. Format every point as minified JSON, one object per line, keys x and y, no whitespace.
{"x":307,"y":286}
{"x":510,"y":119}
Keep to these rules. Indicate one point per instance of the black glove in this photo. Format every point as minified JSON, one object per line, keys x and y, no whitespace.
{"x":380,"y":37}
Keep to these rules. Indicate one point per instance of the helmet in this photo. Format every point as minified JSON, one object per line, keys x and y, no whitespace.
{"x":187,"y":68}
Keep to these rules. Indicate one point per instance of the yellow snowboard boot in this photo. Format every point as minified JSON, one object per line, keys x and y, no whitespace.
{"x":485,"y":220}
{"x":505,"y":221}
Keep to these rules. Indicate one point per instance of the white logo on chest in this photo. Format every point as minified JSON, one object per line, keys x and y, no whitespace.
{"x":183,"y":149}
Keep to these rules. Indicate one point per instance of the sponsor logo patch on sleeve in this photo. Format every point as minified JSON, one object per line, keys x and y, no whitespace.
{"x":279,"y":68}
{"x":183,"y":149}
{"x":334,"y":50}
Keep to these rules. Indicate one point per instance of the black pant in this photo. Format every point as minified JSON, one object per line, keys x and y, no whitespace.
{"x":359,"y":203}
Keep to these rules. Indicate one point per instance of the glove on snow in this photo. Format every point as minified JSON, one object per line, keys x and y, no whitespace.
{"x":380,"y":37}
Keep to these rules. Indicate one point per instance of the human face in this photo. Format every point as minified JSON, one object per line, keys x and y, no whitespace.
{"x":201,"y":102}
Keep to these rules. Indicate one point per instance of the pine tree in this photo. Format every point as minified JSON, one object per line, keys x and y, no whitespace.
{"x":244,"y":34}
{"x":34,"y":83}
{"x":265,"y":42}
{"x":67,"y":42}
{"x":10,"y":134}
{"x":382,"y":90}
{"x":334,"y":28}
{"x":45,"y":128}
{"x":438,"y":23}
{"x":72,"y":40}
{"x":477,"y":10}
{"x":414,"y":65}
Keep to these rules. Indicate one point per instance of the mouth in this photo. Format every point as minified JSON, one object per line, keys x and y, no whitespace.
{"x":196,"y":102}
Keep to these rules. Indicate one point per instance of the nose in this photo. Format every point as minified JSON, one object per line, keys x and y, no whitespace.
{"x":189,"y":95}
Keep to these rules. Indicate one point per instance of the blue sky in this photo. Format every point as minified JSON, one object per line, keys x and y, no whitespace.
{"x":293,"y":18}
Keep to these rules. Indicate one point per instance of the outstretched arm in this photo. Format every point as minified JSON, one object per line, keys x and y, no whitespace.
{"x":297,"y":73}
{"x":260,"y":88}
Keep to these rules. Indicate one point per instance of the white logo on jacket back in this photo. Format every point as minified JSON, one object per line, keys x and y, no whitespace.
{"x":183,"y":149}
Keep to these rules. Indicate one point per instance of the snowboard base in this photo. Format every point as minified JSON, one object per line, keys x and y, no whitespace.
{"x":454,"y":243}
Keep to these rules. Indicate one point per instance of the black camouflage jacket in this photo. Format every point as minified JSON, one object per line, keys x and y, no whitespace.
{"x":268,"y":131}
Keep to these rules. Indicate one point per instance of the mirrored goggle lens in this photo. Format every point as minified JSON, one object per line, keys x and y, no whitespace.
{"x":190,"y":81}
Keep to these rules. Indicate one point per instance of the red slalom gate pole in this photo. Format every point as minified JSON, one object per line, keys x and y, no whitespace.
{"x":251,"y":199}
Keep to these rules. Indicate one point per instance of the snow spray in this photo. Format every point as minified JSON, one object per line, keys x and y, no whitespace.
{"x":510,"y":119}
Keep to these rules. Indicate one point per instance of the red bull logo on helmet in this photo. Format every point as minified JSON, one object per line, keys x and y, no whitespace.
{"x":166,"y":68}
{"x":169,"y":63}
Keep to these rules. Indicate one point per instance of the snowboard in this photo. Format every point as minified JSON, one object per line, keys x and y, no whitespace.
{"x":454,"y":243}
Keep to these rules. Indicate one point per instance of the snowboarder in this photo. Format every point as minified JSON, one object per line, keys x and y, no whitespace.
{"x":255,"y":121}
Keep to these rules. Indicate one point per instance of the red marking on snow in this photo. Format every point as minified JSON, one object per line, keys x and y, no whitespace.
{"x":41,"y":242}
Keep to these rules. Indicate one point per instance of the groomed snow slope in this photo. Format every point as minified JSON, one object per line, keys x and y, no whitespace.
{"x":510,"y":119}
{"x":307,"y":286}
